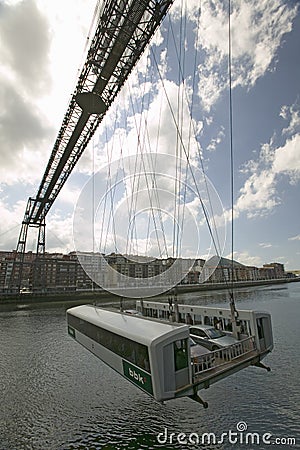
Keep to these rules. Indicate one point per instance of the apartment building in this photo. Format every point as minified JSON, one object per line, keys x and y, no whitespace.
{"x":87,"y":270}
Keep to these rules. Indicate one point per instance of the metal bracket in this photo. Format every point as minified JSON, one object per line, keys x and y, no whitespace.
{"x":198,"y":399}
{"x":262,"y":366}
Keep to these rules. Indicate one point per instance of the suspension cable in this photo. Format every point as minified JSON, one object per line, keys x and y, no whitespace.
{"x":234,"y":312}
{"x":216,"y":241}
{"x":230,"y":133}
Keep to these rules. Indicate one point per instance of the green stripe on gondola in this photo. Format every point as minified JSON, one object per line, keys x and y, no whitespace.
{"x":71,"y":331}
{"x":138,"y":376}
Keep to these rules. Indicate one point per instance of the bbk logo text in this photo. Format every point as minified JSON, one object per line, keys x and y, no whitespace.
{"x":136,"y":376}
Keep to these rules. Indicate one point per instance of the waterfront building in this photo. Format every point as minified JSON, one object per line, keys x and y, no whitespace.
{"x":274,"y":270}
{"x":87,"y":270}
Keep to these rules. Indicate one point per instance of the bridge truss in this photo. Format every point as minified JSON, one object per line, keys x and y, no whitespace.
{"x":124,"y":29}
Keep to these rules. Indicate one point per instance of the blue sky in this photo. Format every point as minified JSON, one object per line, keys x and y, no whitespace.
{"x":38,"y":73}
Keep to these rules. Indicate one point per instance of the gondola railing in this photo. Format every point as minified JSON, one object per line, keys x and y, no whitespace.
{"x":223,"y":356}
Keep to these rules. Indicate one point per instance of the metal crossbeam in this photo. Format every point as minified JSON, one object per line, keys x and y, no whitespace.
{"x":123,"y":31}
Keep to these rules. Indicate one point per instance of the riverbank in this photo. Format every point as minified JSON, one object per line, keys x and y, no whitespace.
{"x":236,"y":285}
{"x":102,"y":296}
{"x":68,"y":298}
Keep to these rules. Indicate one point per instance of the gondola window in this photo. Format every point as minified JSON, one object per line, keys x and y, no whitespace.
{"x":128,"y":349}
{"x":181,"y":354}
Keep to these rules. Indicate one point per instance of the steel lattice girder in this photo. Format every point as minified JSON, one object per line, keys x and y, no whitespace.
{"x":123,"y":31}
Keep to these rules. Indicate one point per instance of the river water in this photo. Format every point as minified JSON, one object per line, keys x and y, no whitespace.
{"x":55,"y":395}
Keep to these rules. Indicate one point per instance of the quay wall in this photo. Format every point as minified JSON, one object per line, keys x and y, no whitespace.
{"x":103,"y":296}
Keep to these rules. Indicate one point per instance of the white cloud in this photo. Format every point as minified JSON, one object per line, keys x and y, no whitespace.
{"x":284,"y":112}
{"x":24,"y":76}
{"x":245,"y":258}
{"x":281,"y":259}
{"x":265,"y":245}
{"x":292,"y":114}
{"x":216,"y":141}
{"x":69,"y":194}
{"x":259,"y":194}
{"x":41,"y":45}
{"x":59,"y":233}
{"x":257,"y":32}
{"x":10,"y":224}
{"x":24,"y":47}
{"x":287,"y":159}
{"x":295,"y":238}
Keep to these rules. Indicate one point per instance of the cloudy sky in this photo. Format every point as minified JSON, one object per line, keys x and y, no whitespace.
{"x":42,"y":46}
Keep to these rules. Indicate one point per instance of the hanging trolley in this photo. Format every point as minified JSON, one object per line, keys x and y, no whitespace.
{"x":156,"y":355}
